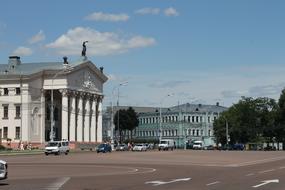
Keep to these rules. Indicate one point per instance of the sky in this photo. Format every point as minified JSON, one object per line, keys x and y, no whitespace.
{"x":164,"y":52}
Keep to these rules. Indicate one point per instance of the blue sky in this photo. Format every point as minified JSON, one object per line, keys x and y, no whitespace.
{"x":203,"y":51}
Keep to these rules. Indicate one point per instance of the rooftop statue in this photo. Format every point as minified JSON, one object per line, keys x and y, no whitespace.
{"x":84,"y":48}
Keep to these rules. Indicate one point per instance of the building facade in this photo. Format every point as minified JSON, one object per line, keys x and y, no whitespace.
{"x":183,"y":123}
{"x":55,"y":100}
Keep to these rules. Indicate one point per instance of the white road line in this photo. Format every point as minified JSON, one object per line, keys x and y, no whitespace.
{"x":57,"y":184}
{"x":256,"y":162}
{"x":216,"y":182}
{"x":266,"y":171}
{"x":283,"y":167}
{"x":250,"y":174}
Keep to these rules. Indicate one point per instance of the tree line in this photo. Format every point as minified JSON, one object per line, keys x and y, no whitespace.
{"x":253,"y":121}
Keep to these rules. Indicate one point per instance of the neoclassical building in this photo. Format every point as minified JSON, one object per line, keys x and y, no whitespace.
{"x":29,"y":91}
{"x":183,"y":123}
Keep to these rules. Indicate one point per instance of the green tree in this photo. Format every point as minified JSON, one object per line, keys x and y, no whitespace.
{"x":128,"y":121}
{"x":250,"y":120}
{"x":280,"y":119}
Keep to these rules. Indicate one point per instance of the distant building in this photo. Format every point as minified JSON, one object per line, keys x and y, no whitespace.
{"x":26,"y":100}
{"x":183,"y":123}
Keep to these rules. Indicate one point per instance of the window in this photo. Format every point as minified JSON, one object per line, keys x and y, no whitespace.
{"x":5,"y":133}
{"x":6,"y":91}
{"x":5,"y":107}
{"x":197,"y":119}
{"x":209,"y":120}
{"x":18,"y":111}
{"x":17,"y":135}
{"x":18,"y":91}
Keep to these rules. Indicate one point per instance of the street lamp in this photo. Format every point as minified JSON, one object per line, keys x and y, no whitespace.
{"x":227,"y":131}
{"x":112,"y":111}
{"x":160,"y":118}
{"x":66,"y":69}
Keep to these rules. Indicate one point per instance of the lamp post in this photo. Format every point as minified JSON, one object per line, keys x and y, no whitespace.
{"x":52,"y":133}
{"x":227,"y":131}
{"x":160,"y":117}
{"x":112,"y":110}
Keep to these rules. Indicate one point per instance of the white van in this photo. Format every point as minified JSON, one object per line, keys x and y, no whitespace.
{"x":166,"y":144}
{"x":57,"y":147}
{"x":3,"y":170}
{"x":198,"y":145}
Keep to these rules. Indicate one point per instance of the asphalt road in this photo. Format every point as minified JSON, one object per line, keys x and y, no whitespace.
{"x":177,"y":170}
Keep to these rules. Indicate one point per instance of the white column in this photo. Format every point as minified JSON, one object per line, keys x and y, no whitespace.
{"x":93,"y":121}
{"x":99,"y":122}
{"x":87,"y":120}
{"x":64,"y":115}
{"x":26,"y":114}
{"x":43,"y":117}
{"x":80,"y":119}
{"x":72,"y":119}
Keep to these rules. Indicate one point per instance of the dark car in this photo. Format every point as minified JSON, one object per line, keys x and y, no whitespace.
{"x":104,"y":148}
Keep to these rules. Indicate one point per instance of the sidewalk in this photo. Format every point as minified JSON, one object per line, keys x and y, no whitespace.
{"x":20,"y":152}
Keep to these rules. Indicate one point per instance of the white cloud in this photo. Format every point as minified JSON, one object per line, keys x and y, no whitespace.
{"x":99,"y":16}
{"x":171,"y":12}
{"x":100,"y":43}
{"x":37,"y":38}
{"x":23,"y":51}
{"x":148,"y":10}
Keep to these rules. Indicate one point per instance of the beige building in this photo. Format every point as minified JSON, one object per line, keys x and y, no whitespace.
{"x":28,"y":91}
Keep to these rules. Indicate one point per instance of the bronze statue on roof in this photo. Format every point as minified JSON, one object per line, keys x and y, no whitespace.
{"x":83,"y":53}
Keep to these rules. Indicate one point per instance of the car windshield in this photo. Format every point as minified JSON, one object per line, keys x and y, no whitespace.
{"x":53,"y":144}
{"x":101,"y":146}
{"x":2,"y":166}
{"x":163,"y":142}
{"x":139,"y":145}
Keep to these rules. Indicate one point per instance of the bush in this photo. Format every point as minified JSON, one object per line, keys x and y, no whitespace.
{"x":2,"y":147}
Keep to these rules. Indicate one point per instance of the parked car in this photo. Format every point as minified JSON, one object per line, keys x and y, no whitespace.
{"x":238,"y":147}
{"x":198,"y":145}
{"x":122,"y":147}
{"x":166,"y":144}
{"x":104,"y":148}
{"x":209,"y":147}
{"x":3,"y":170}
{"x":57,"y":147}
{"x":139,"y":147}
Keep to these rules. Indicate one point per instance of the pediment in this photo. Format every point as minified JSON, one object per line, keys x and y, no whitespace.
{"x":85,"y":79}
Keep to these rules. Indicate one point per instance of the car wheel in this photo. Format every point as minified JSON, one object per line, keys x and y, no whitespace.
{"x":46,"y":153}
{"x":66,"y":153}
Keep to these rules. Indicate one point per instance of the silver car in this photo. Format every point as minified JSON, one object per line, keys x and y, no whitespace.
{"x":139,"y":147}
{"x":3,"y":170}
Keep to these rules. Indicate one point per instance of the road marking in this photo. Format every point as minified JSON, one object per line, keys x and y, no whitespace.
{"x":156,"y":183}
{"x":283,"y":167}
{"x":214,"y":183}
{"x":266,"y":171}
{"x":251,"y":174}
{"x":57,"y":184}
{"x":266,"y":182}
{"x":256,"y":162}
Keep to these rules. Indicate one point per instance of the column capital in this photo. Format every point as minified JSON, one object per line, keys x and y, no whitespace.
{"x":64,"y":92}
